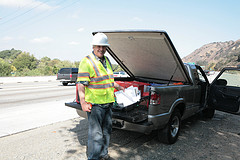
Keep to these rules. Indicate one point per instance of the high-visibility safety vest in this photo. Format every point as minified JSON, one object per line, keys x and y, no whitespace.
{"x":101,"y":81}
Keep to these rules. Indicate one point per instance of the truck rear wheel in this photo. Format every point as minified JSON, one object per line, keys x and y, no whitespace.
{"x":65,"y":84}
{"x":170,"y":133}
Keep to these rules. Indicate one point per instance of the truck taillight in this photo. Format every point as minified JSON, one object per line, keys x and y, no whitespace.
{"x":155,"y":98}
{"x":70,"y":75}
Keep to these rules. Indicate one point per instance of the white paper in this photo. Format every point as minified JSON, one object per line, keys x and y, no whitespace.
{"x":129,"y":96}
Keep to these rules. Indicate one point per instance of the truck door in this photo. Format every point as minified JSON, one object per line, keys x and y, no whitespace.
{"x":224,"y":93}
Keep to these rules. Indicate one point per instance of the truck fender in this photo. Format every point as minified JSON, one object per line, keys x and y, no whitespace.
{"x":179,"y":104}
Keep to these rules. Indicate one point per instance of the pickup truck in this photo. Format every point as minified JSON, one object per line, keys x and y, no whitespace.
{"x":173,"y":92}
{"x":67,"y":75}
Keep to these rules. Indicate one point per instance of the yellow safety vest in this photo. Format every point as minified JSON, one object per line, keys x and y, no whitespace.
{"x":101,"y":81}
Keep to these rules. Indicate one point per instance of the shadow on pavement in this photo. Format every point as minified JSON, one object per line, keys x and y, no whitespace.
{"x":199,"y":139}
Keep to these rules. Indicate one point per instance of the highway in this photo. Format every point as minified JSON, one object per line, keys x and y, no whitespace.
{"x":30,"y":104}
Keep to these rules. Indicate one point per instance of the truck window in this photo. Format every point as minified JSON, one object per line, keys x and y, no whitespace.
{"x":75,"y":70}
{"x":64,"y":71}
{"x":200,"y":76}
{"x":232,"y":77}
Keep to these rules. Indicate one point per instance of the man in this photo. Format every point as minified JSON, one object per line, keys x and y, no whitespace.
{"x":96,"y":91}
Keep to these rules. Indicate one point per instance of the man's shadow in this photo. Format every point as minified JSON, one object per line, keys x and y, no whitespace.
{"x":81,"y":130}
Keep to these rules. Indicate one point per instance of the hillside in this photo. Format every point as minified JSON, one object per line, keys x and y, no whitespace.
{"x":216,"y":55}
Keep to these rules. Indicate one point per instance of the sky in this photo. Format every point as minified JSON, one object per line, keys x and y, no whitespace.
{"x":63,"y":28}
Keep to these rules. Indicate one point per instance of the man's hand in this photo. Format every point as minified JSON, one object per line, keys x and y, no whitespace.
{"x":86,"y":106}
{"x":118,"y":87}
{"x":121,"y":88}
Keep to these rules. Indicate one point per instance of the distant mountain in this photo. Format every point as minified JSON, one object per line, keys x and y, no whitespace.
{"x":216,"y":55}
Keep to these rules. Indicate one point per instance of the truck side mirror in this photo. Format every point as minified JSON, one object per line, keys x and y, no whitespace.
{"x":222,"y":82}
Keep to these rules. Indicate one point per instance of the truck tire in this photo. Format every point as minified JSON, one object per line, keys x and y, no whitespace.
{"x":65,"y":83}
{"x":170,"y":133}
{"x":208,"y":113}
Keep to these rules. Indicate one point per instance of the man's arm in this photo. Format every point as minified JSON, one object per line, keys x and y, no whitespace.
{"x":81,"y":92}
{"x":118,"y":87}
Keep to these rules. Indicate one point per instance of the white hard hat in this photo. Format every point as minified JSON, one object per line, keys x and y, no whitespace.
{"x":100,"y":39}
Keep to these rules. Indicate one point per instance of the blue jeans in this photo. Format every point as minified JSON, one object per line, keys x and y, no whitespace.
{"x":99,"y":131}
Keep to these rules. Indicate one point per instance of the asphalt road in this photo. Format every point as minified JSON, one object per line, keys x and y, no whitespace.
{"x":48,"y":135}
{"x":29,"y":104}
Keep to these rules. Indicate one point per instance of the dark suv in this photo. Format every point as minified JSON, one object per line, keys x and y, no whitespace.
{"x":67,"y":75}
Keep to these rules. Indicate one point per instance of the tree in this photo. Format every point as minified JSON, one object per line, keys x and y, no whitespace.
{"x":5,"y":68}
{"x":25,"y":60}
{"x":24,"y":64}
{"x":45,"y":59}
{"x":10,"y":54}
{"x":76,"y":63}
{"x":44,"y":66}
